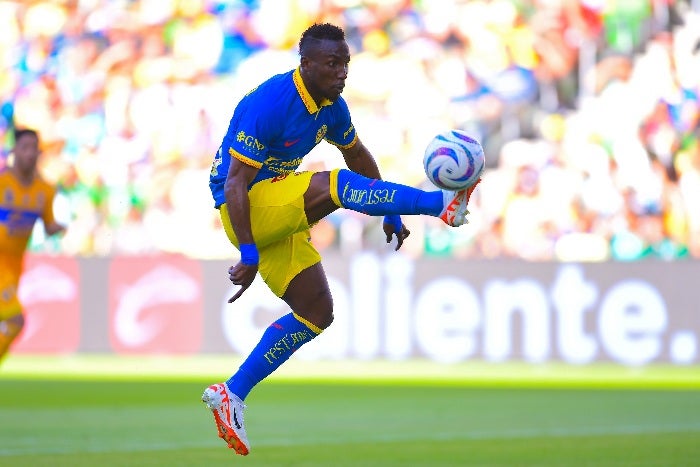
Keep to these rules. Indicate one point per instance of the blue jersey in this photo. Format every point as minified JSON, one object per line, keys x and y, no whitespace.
{"x":274,"y":126}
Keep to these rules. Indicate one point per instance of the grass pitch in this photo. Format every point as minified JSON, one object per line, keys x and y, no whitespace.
{"x":78,"y":420}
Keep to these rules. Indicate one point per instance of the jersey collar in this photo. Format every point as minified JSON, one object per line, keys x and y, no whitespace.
{"x":306,"y":98}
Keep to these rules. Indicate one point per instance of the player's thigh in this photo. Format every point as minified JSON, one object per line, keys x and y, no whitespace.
{"x":276,"y":209}
{"x":321,"y":198}
{"x":281,"y":261}
{"x":308,"y":294}
{"x":11,"y":311}
{"x":9,"y":303}
{"x":12,"y":326}
{"x":10,"y":307}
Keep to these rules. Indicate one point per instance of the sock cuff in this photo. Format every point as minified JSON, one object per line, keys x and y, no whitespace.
{"x":308,"y":324}
{"x":334,"y":188}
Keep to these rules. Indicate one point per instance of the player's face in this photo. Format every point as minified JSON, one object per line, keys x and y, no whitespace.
{"x":26,"y":152}
{"x":325,"y":69}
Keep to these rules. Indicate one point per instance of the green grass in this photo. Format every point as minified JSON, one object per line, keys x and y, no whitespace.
{"x":83,"y":422}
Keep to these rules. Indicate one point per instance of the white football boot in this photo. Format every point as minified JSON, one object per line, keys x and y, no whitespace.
{"x":454,"y":212}
{"x":228,"y":415}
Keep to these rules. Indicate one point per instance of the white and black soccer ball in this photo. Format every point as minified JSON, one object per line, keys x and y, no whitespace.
{"x":453,"y":160}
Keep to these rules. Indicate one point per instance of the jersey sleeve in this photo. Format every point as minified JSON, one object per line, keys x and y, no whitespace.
{"x":249,"y":132}
{"x":342,"y":132}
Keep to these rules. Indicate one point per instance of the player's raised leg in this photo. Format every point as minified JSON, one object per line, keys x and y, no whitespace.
{"x":374,"y":197}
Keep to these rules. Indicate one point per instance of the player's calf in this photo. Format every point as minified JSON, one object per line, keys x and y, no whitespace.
{"x":380,"y":197}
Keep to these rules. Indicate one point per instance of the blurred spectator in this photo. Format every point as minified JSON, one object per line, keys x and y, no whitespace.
{"x":588,"y":111}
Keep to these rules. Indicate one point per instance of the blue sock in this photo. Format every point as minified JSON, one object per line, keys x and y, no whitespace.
{"x":277,"y":344}
{"x":380,"y":198}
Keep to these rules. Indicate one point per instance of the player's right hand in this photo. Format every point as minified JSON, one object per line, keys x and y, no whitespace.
{"x":400,"y":231}
{"x":243,"y":275}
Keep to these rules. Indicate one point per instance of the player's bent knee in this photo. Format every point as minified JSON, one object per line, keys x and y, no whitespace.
{"x":326,"y":320}
{"x":18,"y":321}
{"x":13,"y":326}
{"x":318,"y":317}
{"x":315,"y":306}
{"x":323,"y":306}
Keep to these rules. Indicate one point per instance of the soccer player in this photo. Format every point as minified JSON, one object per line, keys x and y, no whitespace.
{"x":24,"y":198}
{"x":267,"y":207}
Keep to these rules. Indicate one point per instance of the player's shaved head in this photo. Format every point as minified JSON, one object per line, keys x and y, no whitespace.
{"x":324,"y":61}
{"x":311,"y":38}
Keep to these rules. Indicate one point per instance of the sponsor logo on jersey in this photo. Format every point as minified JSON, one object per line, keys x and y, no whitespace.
{"x":251,"y":142}
{"x":282,"y":166}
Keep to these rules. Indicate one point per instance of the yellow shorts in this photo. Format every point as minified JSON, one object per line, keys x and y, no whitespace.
{"x":10,"y":269}
{"x":280,"y":228}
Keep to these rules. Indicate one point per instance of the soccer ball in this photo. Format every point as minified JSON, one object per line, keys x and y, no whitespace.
{"x":453,"y":160}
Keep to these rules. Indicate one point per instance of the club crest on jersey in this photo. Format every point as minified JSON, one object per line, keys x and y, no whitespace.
{"x":321,"y":133}
{"x":251,"y":142}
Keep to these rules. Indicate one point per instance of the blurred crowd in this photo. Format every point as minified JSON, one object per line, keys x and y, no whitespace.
{"x":588,"y":111}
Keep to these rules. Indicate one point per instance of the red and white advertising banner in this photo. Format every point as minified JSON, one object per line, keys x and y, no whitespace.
{"x":387,"y":306}
{"x":155,"y":305}
{"x":50,"y":294}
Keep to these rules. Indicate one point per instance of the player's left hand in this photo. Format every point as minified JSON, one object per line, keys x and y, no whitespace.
{"x":243,"y":275}
{"x":390,"y":229}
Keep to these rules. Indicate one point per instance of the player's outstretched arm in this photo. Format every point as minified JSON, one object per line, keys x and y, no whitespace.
{"x":360,"y":160}
{"x":51,"y":227}
{"x":239,"y":176}
{"x":54,"y":228}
